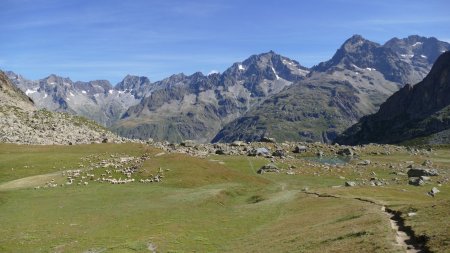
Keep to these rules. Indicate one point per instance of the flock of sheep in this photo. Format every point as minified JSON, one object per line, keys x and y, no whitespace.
{"x":115,"y":170}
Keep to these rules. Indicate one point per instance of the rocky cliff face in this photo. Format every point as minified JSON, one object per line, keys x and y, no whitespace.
{"x":359,"y":77}
{"x":22,"y":123}
{"x":414,"y":111}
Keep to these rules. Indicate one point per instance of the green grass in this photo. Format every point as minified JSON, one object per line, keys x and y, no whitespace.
{"x":216,"y":204}
{"x":19,"y":161}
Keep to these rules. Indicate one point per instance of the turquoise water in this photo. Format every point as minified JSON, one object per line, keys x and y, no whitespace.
{"x":332,"y":160}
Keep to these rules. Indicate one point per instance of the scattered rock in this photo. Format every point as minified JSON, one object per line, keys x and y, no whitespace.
{"x":416,"y":181}
{"x":259,"y":152}
{"x":433,"y":191}
{"x":418,"y":171}
{"x":188,"y":143}
{"x":238,"y":144}
{"x":221,"y":152}
{"x":267,"y":139}
{"x":350,"y":183}
{"x":279,"y":153}
{"x":300,"y":149}
{"x":425,"y":178}
{"x":268,"y":168}
{"x":345,"y":152}
{"x":427,"y":163}
{"x":364,"y":163}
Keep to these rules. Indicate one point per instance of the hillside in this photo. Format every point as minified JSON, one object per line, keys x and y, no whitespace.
{"x":21,"y":122}
{"x":412,"y":112}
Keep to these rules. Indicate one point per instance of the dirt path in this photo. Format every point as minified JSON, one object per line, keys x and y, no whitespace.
{"x":403,"y":236}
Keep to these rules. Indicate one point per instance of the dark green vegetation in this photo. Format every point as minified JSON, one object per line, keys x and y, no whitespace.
{"x":417,"y":114}
{"x":212,"y":204}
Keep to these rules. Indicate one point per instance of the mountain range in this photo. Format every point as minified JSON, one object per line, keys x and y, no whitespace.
{"x":264,"y":95}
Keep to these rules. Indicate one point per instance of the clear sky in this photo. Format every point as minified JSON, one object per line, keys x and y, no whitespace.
{"x":107,"y":39}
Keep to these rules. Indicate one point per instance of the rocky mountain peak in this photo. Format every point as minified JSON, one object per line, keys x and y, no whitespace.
{"x":53,"y":79}
{"x":355,"y":51}
{"x":417,"y":50}
{"x":269,"y":66}
{"x":93,"y":87}
{"x":131,"y":82}
{"x":356,"y":42}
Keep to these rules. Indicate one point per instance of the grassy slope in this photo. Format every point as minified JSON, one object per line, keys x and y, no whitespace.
{"x":205,"y":205}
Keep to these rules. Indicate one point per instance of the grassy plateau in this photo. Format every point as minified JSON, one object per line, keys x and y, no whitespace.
{"x":216,"y":203}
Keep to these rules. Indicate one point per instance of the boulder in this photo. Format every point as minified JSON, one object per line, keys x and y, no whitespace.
{"x":425,"y":178}
{"x":188,"y":143}
{"x":300,"y":149}
{"x":279,"y":153}
{"x":259,"y":152}
{"x":419,"y":171}
{"x":350,"y":183}
{"x":365,"y":162}
{"x":434,"y":191}
{"x":345,"y":152}
{"x":222,"y":152}
{"x":237,"y":143}
{"x":416,"y":181}
{"x":267,"y":139}
{"x":427,"y":163}
{"x":268,"y":168}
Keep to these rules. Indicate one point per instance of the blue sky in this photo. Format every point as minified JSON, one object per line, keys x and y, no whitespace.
{"x":107,"y":39}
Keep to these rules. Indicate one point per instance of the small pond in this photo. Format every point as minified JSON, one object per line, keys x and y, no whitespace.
{"x":331,"y":160}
